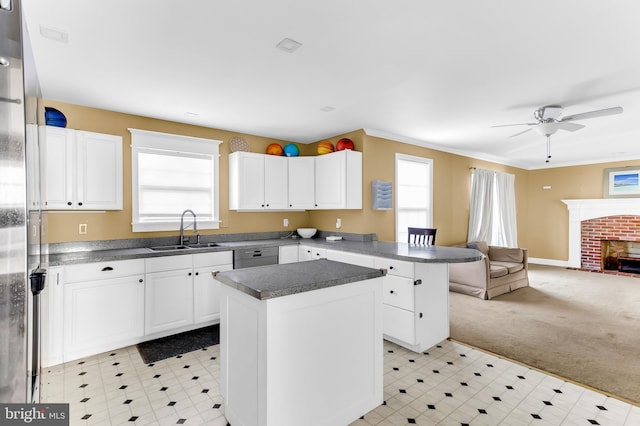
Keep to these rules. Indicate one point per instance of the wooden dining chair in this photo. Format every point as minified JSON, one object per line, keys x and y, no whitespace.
{"x":425,"y":236}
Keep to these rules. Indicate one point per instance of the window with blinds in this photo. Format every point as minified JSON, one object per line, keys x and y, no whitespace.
{"x":172,"y":173}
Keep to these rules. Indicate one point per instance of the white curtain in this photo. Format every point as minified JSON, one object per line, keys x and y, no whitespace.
{"x":505,"y":192}
{"x":481,"y":209}
{"x":492,"y":214}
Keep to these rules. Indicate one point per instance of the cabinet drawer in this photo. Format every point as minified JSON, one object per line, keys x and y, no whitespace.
{"x":103,"y":270}
{"x":168,"y":263}
{"x":212,"y":258}
{"x":395,"y":267}
{"x":398,"y":291}
{"x":399,"y":324}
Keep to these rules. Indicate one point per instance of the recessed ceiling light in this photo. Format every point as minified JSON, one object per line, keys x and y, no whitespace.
{"x":54,"y":34}
{"x":288,"y":45}
{"x":327,"y":108}
{"x":191,"y":114}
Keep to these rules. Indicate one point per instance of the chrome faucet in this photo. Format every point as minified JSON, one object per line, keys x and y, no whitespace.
{"x":195,"y":225}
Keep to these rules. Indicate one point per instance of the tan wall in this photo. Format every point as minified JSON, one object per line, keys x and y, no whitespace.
{"x":548,"y":216}
{"x":542,"y":217}
{"x":63,"y":227}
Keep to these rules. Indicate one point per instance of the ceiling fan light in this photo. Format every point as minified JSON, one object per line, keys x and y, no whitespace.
{"x":546,"y":129}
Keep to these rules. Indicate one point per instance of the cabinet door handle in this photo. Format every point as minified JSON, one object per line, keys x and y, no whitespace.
{"x":417,"y":282}
{"x":80,"y":203}
{"x":197,"y":273}
{"x":140,"y":280}
{"x":107,"y":268}
{"x":69,"y":203}
{"x":390,"y":267}
{"x":290,"y":205}
{"x":391,"y":291}
{"x":189,"y":273}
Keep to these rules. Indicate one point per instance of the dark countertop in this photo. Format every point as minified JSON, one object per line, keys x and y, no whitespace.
{"x":400,"y":251}
{"x":267,"y":282}
{"x":110,"y":255}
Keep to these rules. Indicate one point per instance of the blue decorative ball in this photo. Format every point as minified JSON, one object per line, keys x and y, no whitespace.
{"x":53,"y":117}
{"x":291,"y":150}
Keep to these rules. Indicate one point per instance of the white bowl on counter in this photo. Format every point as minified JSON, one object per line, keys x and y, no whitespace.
{"x":306,"y":232}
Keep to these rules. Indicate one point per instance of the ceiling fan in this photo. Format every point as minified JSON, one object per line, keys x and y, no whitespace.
{"x":549,"y":120}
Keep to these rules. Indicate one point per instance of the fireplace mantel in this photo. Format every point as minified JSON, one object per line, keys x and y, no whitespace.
{"x":586,"y":209}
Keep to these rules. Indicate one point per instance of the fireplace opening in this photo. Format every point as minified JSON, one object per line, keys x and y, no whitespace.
{"x":623,"y":256}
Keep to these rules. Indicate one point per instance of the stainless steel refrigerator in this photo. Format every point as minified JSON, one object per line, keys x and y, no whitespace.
{"x":20,"y":216}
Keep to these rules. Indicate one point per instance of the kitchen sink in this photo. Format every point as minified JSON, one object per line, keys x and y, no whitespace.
{"x":169,"y":248}
{"x":203,"y":245}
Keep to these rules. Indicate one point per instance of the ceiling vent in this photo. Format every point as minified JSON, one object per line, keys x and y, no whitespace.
{"x":288,"y":45}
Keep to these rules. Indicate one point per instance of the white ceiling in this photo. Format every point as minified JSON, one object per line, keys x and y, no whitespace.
{"x":433,"y":73}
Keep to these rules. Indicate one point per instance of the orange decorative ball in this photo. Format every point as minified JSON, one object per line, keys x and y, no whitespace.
{"x":325,"y":147}
{"x":344,"y":143}
{"x":274,"y":149}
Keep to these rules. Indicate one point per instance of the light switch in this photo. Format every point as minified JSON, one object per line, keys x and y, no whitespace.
{"x":82,"y":228}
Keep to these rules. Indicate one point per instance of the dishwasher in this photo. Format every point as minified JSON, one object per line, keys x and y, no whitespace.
{"x":255,"y":257}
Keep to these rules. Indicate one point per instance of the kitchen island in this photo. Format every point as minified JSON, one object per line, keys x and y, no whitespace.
{"x":301,"y":343}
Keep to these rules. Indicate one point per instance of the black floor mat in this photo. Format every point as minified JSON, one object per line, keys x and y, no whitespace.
{"x":167,"y":347}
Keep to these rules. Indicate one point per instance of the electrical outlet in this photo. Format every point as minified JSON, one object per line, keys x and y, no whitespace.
{"x":82,"y":228}
{"x":338,"y":223}
{"x":285,"y":222}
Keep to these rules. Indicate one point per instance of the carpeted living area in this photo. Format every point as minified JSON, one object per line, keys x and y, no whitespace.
{"x":579,"y":325}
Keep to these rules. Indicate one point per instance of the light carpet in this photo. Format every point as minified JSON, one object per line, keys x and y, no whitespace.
{"x":579,"y":325}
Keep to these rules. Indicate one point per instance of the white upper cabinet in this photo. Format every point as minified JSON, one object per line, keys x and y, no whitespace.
{"x":339,"y":180}
{"x":81,"y":170}
{"x":257,"y":182}
{"x":266,"y":182}
{"x":302,"y":180}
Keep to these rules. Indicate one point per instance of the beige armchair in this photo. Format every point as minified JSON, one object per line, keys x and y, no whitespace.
{"x":501,"y":270}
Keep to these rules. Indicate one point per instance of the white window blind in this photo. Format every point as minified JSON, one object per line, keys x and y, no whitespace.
{"x":414,"y":188}
{"x":172,"y":173}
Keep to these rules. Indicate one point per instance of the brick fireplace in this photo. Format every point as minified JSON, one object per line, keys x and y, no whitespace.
{"x":605,"y":240}
{"x":595,"y":220}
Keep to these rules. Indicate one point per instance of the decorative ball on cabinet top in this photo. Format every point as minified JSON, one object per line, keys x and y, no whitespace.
{"x":53,"y":117}
{"x":274,"y":149}
{"x":325,"y":147}
{"x":291,"y":150}
{"x":344,"y":143}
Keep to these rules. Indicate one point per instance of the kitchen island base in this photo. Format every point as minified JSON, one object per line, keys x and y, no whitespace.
{"x":311,"y":358}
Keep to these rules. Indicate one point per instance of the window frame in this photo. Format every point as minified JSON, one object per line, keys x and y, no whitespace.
{"x":424,"y":160}
{"x":145,"y":141}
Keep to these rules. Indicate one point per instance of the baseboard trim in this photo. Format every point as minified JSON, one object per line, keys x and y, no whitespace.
{"x":549,"y":262}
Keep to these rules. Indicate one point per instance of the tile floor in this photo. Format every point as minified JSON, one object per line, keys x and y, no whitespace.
{"x":451,"y":384}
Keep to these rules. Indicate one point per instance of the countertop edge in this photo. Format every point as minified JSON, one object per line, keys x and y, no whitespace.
{"x":287,"y":277}
{"x":431,"y":254}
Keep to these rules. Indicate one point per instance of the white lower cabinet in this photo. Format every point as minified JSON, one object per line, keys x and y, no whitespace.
{"x":168,"y":300}
{"x":415,"y":296}
{"x":103,"y":307}
{"x":181,"y":291}
{"x":311,"y":253}
{"x":206,"y":289}
{"x":415,"y":300}
{"x":96,"y":307}
{"x":288,"y":254}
